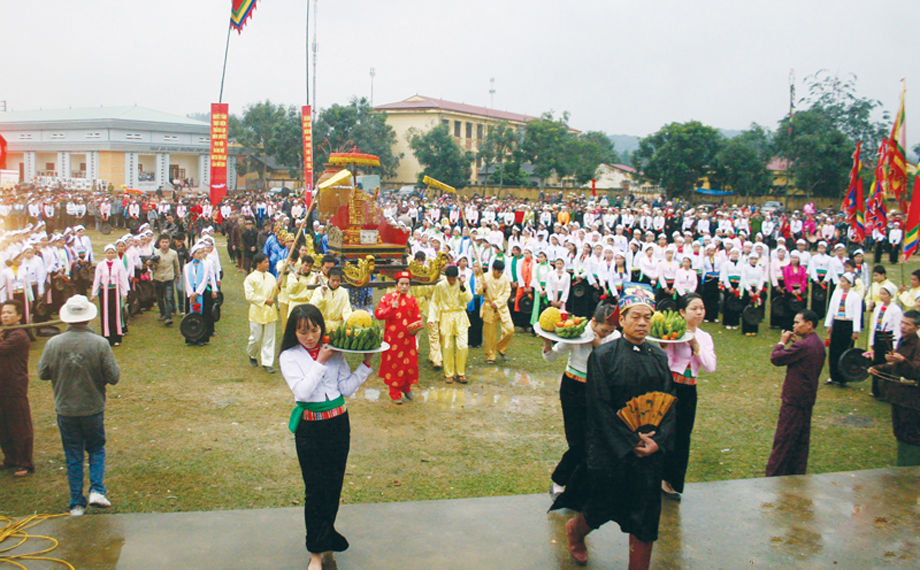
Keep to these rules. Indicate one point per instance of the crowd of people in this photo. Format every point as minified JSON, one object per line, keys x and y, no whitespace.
{"x":613,"y":262}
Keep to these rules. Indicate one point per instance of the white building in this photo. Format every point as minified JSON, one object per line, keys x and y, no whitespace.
{"x":132,"y":146}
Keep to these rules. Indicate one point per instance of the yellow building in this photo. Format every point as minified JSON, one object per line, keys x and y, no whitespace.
{"x":468,"y":124}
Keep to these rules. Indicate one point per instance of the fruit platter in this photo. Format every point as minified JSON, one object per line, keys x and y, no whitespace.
{"x":559,"y":326}
{"x":668,"y":327}
{"x":360,"y":333}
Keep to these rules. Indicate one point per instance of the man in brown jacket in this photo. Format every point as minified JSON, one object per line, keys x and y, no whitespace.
{"x":166,"y":270}
{"x":904,"y":362}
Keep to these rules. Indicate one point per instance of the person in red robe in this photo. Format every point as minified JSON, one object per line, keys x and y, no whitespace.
{"x":402,"y":318}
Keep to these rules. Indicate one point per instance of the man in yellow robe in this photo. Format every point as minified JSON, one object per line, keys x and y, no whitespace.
{"x":495,"y":289}
{"x":448,"y":308}
{"x":332,"y":300}
{"x":298,"y":284}
{"x":259,"y":289}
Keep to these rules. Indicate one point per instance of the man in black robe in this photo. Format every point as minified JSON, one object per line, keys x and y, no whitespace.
{"x":623,"y":467}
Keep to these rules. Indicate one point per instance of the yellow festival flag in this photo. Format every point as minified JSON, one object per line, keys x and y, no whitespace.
{"x":429,"y":181}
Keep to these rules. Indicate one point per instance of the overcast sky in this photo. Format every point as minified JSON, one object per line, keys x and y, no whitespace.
{"x":623,"y":67}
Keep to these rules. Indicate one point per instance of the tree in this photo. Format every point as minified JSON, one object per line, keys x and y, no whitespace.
{"x":836,"y":99}
{"x":441,"y":157}
{"x":354,"y":127}
{"x":678,"y":155}
{"x":741,"y":163}
{"x":271,"y":129}
{"x":820,"y":154}
{"x":500,"y":144}
{"x":585,"y":153}
{"x":544,"y":145}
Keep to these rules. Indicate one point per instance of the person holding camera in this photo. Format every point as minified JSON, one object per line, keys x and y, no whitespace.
{"x":164,"y":263}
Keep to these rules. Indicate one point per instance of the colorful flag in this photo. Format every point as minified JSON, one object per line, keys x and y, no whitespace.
{"x":240,"y":12}
{"x":876,"y":214}
{"x":897,"y":163}
{"x":853,"y":204}
{"x":912,"y":229}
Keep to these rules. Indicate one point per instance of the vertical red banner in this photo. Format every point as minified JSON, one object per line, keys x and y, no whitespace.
{"x":594,"y":187}
{"x":306,"y":121}
{"x":219,"y":125}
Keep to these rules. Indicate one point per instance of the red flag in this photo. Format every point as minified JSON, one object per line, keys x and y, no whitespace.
{"x":594,"y":187}
{"x":897,"y":161}
{"x":219,"y":122}
{"x":912,"y":229}
{"x":306,"y":123}
{"x":2,"y":153}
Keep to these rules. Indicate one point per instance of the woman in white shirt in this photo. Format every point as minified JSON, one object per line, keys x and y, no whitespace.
{"x":843,"y":322}
{"x":320,"y":379}
{"x":884,"y":332}
{"x":572,"y":391}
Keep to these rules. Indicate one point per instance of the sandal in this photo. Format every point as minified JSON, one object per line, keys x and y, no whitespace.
{"x":21,"y":473}
{"x":462,"y":379}
{"x":449,"y":380}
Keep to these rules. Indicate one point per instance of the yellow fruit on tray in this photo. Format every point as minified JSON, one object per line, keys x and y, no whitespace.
{"x":548,"y":319}
{"x":361,"y":319}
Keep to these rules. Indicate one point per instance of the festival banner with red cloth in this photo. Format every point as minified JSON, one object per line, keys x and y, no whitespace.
{"x":853,"y":204}
{"x":240,"y":12}
{"x":306,"y":122}
{"x":912,"y":229}
{"x":219,"y":121}
{"x":2,"y":153}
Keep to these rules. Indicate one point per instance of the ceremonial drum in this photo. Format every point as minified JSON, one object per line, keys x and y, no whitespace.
{"x":666,"y":304}
{"x":133,"y":224}
{"x":853,"y":366}
{"x":734,"y":303}
{"x":193,"y":327}
{"x":752,"y":315}
{"x":105,"y":228}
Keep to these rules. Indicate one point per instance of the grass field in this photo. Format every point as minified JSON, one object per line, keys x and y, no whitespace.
{"x":197,"y":428}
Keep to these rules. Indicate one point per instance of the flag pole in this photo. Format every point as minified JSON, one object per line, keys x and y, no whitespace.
{"x":220,"y":98}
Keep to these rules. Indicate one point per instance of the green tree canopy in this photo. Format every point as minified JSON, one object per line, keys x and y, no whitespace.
{"x":354,"y":127}
{"x":820,"y":154}
{"x":741,"y":163}
{"x":441,"y":157}
{"x":273,"y":130}
{"x":501,"y":145}
{"x":586,"y":152}
{"x":544,"y":145}
{"x":678,"y":155}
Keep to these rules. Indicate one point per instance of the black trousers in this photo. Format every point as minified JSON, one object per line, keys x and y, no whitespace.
{"x":474,"y":336}
{"x":322,"y":450}
{"x":841,"y":341}
{"x":777,"y":298}
{"x":574,"y":411}
{"x":675,"y":462}
{"x":818,"y":306}
{"x":710,"y":294}
{"x":884,"y":341}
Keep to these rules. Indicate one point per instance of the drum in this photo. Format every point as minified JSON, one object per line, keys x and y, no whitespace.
{"x":193,"y":327}
{"x":526,"y":304}
{"x":105,"y":228}
{"x":215,"y":311}
{"x":58,"y":282}
{"x":134,"y":304}
{"x":752,"y":315}
{"x":734,"y":303}
{"x":666,"y":304}
{"x":819,"y":294}
{"x":853,"y":366}
{"x":133,"y":224}
{"x":579,"y":289}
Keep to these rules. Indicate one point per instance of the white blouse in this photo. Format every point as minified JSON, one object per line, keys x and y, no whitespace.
{"x":311,"y":381}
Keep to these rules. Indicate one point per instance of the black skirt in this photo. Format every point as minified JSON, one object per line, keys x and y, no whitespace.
{"x":322,"y":450}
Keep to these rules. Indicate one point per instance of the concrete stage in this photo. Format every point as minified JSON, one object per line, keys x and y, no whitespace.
{"x":858,"y":520}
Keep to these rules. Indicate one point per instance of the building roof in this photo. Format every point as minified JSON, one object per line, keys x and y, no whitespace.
{"x":778,"y":164}
{"x":422,"y":103}
{"x":623,"y":167}
{"x":97,"y":114}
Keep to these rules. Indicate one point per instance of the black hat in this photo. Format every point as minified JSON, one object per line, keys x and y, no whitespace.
{"x":452,"y":271}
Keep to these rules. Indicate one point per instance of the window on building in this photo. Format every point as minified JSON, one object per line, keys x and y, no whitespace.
{"x":469,"y":130}
{"x":457,"y":129}
{"x":133,"y":136}
{"x":204,"y":139}
{"x":478,"y":162}
{"x":479,"y":131}
{"x":25,"y":137}
{"x":170,"y":137}
{"x":57,"y":136}
{"x":83,"y":166}
{"x":93,"y":135}
{"x":445,"y":122}
{"x":49,"y":166}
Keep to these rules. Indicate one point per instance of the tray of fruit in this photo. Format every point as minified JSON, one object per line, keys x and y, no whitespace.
{"x":668,"y":327}
{"x":360,"y":334}
{"x":561,"y":327}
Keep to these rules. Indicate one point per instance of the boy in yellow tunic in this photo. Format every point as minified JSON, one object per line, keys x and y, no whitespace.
{"x":448,"y":308}
{"x":259,"y":289}
{"x":297,"y":288}
{"x":495,"y":289}
{"x":332,"y":300}
{"x":909,"y":296}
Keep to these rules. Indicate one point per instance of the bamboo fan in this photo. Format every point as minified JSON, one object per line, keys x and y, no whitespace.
{"x":646,"y":410}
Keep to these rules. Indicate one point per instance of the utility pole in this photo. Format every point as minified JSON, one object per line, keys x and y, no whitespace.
{"x":492,"y":93}
{"x":315,"y":46}
{"x":373,"y":73}
{"x":3,"y":106}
